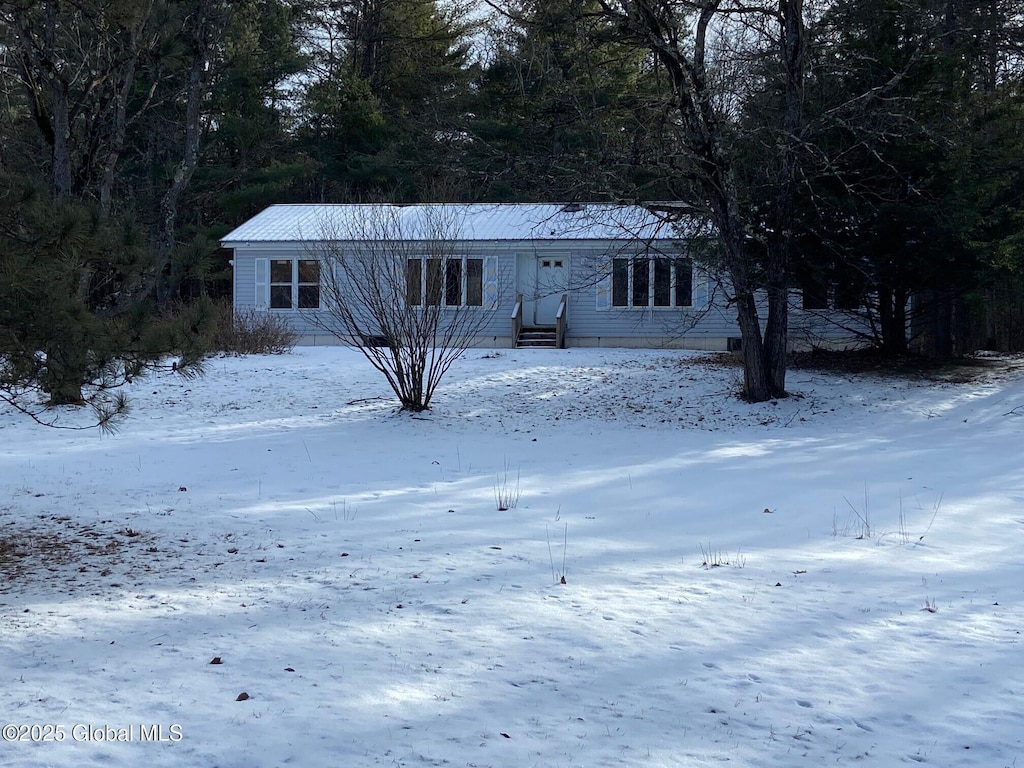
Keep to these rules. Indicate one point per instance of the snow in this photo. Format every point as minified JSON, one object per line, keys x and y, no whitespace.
{"x":347,"y":564}
{"x":460,"y":221}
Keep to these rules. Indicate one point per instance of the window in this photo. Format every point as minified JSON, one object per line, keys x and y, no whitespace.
{"x":281,"y":284}
{"x":449,"y":282}
{"x":850,"y":287}
{"x":834,"y":286}
{"x":433,"y":281}
{"x":641,"y":274}
{"x":414,"y":282}
{"x":620,"y":283}
{"x":849,"y":296}
{"x":474,"y":282}
{"x":453,"y":282}
{"x":814,"y":292}
{"x":652,"y":282}
{"x":309,"y":284}
{"x":294,"y":283}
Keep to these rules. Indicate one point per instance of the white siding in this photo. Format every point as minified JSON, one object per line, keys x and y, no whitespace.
{"x":492,"y":284}
{"x":262,"y":283}
{"x":251,"y":278}
{"x":591,"y":318}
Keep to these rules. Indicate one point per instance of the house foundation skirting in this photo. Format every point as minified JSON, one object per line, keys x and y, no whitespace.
{"x":706,"y":343}
{"x":797,"y":342}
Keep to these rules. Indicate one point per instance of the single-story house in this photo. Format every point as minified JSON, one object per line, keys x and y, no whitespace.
{"x":543,"y":275}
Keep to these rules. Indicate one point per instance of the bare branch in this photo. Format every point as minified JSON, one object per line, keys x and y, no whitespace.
{"x":401,"y":290}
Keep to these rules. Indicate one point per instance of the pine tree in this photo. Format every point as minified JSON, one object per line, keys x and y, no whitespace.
{"x":76,"y":319}
{"x":564,"y":110}
{"x":384,"y":112}
{"x":912,"y":149}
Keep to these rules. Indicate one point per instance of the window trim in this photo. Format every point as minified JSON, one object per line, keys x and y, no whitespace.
{"x":443,"y":288}
{"x":832,"y":286}
{"x":294,"y":285}
{"x":830,"y":298}
{"x":627,"y":266}
{"x":272,"y":283}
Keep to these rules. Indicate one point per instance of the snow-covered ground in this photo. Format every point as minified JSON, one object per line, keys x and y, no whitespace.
{"x":834,"y":578}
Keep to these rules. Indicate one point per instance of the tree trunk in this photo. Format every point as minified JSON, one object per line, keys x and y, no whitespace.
{"x":61,"y":150}
{"x":64,"y":375}
{"x":119,"y":120}
{"x":940,"y":311}
{"x":756,"y":387}
{"x":706,"y":138}
{"x":195,"y":91}
{"x":48,"y":94}
{"x":791,"y":49}
{"x":892,"y":314}
{"x":776,"y":339}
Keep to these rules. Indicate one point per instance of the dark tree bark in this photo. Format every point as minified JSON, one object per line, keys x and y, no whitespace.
{"x":665,"y":30}
{"x":47,"y":90}
{"x":203,"y":26}
{"x":122,"y":86}
{"x":892,"y":314}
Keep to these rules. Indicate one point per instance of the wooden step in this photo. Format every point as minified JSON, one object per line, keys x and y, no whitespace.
{"x":536,"y":344}
{"x":537,"y":337}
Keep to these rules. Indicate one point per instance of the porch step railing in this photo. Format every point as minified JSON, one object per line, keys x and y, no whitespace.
{"x":517,"y":320}
{"x":560,"y":318}
{"x":550,"y":336}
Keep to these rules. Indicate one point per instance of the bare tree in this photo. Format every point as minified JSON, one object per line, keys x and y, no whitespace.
{"x":400,"y":290}
{"x":710,"y":51}
{"x":203,"y":28}
{"x":76,"y":65}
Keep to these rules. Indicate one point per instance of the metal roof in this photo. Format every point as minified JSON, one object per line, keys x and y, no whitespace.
{"x":455,"y":221}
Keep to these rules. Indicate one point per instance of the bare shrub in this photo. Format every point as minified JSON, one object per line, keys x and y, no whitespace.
{"x":716,"y":558}
{"x":506,"y":494}
{"x":399,"y":290}
{"x":251,"y":332}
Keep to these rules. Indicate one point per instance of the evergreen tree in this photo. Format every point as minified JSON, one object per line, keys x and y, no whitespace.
{"x":74,"y":68}
{"x":706,"y":54}
{"x":76,"y":319}
{"x":564,"y":109}
{"x":249,"y":158}
{"x":904,"y":126}
{"x":79,"y":273}
{"x":384,"y":113}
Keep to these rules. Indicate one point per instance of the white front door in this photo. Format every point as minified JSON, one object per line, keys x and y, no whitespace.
{"x":552,"y":280}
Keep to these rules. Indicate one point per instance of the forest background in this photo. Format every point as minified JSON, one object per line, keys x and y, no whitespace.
{"x":869,"y":151}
